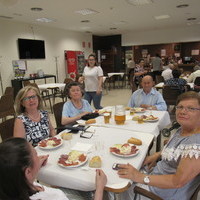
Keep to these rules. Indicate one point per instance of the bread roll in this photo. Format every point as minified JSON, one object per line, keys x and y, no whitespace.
{"x":135,"y":141}
{"x":95,"y":162}
{"x":66,"y":136}
{"x":90,"y":121}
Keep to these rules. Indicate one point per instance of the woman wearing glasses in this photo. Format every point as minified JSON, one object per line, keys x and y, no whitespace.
{"x":32,"y":122}
{"x":93,"y":79}
{"x":177,"y":174}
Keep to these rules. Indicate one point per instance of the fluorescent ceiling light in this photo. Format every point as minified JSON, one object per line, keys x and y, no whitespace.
{"x":47,"y":20}
{"x":86,"y":11}
{"x":139,"y":2}
{"x":161,"y":17}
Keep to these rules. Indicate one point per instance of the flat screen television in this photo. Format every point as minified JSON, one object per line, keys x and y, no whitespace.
{"x":31,"y":49}
{"x":187,"y":59}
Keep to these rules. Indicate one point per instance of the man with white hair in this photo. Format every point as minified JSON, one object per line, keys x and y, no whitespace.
{"x":167,"y":73}
{"x":194,"y":75}
{"x":147,"y":97}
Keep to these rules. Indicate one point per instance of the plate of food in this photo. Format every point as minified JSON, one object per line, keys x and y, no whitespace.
{"x":73,"y":159}
{"x":139,"y":110}
{"x":50,"y":143}
{"x":124,"y":150}
{"x":150,"y":118}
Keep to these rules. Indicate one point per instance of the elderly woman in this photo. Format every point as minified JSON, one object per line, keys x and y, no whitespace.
{"x":77,"y":107}
{"x":93,"y":79}
{"x":19,"y":166}
{"x":32,"y":122}
{"x":176,"y":175}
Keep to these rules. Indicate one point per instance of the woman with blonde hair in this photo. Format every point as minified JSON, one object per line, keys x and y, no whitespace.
{"x":32,"y":122}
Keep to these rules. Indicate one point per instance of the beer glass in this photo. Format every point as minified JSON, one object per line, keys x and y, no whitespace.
{"x":120,"y":116}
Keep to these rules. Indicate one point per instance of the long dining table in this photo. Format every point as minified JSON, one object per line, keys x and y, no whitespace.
{"x":103,"y":137}
{"x":83,"y":177}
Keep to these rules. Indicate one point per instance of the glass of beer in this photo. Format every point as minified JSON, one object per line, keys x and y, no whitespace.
{"x":106,"y":118}
{"x":109,"y":111}
{"x":120,"y":116}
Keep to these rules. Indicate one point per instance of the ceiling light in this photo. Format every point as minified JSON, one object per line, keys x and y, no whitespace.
{"x":85,"y":21}
{"x":161,"y":17}
{"x":86,"y":11}
{"x":182,"y":6}
{"x":191,"y":18}
{"x":113,"y":28}
{"x":17,"y":14}
{"x":139,"y":2}
{"x":88,"y":32}
{"x":47,"y":20}
{"x":36,"y":9}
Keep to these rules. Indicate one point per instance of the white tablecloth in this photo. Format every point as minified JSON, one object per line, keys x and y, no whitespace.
{"x":80,"y":179}
{"x":147,"y":127}
{"x":114,"y":74}
{"x":160,"y":85}
{"x":61,"y":86}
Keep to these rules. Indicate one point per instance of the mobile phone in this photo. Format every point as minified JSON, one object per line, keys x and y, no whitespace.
{"x":74,"y":131}
{"x":116,"y":166}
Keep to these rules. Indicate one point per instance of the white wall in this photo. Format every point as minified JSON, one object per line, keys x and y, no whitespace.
{"x":56,"y":41}
{"x":187,"y":34}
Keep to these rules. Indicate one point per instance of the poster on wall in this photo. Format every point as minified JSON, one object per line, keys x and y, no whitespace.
{"x":71,"y":63}
{"x":163,"y":52}
{"x":81,"y":63}
{"x":195,"y":52}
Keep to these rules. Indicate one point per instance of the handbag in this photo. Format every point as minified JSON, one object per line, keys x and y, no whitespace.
{"x":90,"y":116}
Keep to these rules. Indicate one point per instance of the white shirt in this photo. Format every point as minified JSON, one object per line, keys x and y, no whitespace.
{"x":91,"y":75}
{"x":48,"y":193}
{"x":167,"y":74}
{"x":193,"y":76}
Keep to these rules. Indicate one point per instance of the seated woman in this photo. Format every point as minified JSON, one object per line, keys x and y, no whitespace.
{"x":177,"y":174}
{"x":33,"y":123}
{"x":19,"y":166}
{"x":77,"y":107}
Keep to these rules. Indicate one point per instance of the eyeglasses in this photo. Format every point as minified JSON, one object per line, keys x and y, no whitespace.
{"x":188,"y":109}
{"x":29,"y":98}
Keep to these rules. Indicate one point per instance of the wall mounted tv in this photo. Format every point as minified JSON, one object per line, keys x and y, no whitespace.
{"x":31,"y":49}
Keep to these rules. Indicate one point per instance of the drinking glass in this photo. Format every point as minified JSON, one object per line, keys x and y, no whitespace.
{"x":120,"y":116}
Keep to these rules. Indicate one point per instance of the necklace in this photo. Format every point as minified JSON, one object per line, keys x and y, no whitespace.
{"x":34,"y":118}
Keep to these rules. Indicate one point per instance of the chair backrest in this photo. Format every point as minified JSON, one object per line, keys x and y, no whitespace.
{"x":57,"y":110}
{"x":6,"y":128}
{"x":6,"y":106}
{"x":159,"y":79}
{"x":170,"y":94}
{"x":197,"y":81}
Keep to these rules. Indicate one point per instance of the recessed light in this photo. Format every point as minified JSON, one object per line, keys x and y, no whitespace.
{"x":161,"y":17}
{"x":36,"y":9}
{"x":113,"y":28}
{"x":191,"y":19}
{"x":86,"y":11}
{"x":85,"y":21}
{"x":182,"y":6}
{"x":88,"y":32}
{"x":47,"y":20}
{"x":139,"y":2}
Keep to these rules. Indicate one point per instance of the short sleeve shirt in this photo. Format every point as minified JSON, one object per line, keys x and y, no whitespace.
{"x":69,"y":110}
{"x":91,"y":75}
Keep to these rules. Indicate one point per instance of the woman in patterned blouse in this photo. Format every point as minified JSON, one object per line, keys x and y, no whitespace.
{"x":177,"y":174}
{"x":32,"y":122}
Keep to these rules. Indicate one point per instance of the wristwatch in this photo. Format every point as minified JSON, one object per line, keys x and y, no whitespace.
{"x":146,"y":180}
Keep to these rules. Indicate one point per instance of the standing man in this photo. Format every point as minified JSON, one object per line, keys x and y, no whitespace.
{"x":156,"y":65}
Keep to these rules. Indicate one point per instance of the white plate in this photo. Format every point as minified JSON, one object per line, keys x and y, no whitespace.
{"x":150,"y":120}
{"x":139,"y":110}
{"x":75,"y":166}
{"x":126,"y":156}
{"x":50,"y":147}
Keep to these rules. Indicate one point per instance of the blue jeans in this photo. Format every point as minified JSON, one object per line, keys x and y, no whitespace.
{"x":89,"y":96}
